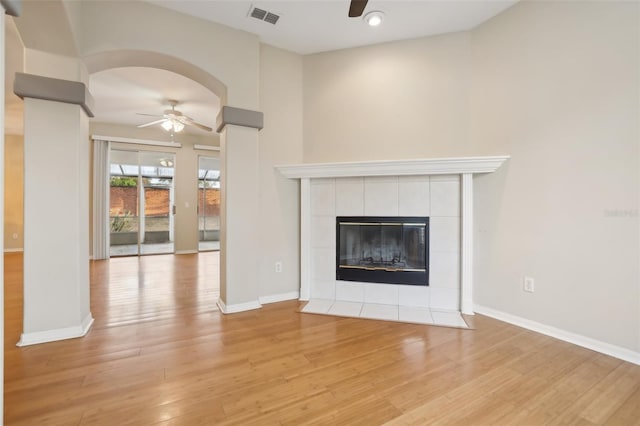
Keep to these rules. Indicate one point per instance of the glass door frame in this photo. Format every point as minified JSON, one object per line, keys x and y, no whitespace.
{"x":141,"y":198}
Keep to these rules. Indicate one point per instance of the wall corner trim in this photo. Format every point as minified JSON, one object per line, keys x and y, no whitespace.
{"x":239,"y":117}
{"x":238,"y":307}
{"x":567,"y":336}
{"x":53,"y":89}
{"x":37,"y":337}
{"x":12,"y":7}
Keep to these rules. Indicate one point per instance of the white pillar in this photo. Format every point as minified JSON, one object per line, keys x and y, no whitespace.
{"x":56,"y":197}
{"x":56,"y":222}
{"x":466,"y":273}
{"x":239,"y":231}
{"x":305,"y":239}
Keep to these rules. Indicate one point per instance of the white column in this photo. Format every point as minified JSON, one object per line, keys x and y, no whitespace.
{"x":466,"y":273}
{"x":56,"y":222}
{"x":239,"y":231}
{"x":305,"y":238}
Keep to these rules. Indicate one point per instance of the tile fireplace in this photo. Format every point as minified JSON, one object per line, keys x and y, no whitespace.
{"x":439,"y":188}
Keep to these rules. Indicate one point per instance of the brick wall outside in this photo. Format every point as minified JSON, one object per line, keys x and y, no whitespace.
{"x":122,"y":200}
{"x":156,"y":202}
{"x":125,"y":199}
{"x":209,"y":203}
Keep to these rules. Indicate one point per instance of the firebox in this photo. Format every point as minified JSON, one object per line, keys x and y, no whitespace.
{"x":375,"y":249}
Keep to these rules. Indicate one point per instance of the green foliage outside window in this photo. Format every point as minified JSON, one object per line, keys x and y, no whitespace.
{"x":124,"y":181}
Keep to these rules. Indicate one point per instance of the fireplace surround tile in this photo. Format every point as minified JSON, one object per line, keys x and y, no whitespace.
{"x":381,"y":196}
{"x":350,"y":197}
{"x":413,"y":196}
{"x":444,"y":269}
{"x":350,"y":291}
{"x":444,"y":234}
{"x":448,"y":318}
{"x":346,"y":309}
{"x":410,"y":314}
{"x":379,"y":312}
{"x":414,"y":296}
{"x":386,"y":294}
{"x":323,"y":232}
{"x":318,"y":306}
{"x":415,"y":314}
{"x":445,"y":196}
{"x":445,"y":298}
{"x":324,"y":290}
{"x":323,"y":197}
{"x":324,"y":266}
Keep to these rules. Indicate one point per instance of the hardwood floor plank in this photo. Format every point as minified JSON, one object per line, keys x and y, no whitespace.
{"x":160,"y":353}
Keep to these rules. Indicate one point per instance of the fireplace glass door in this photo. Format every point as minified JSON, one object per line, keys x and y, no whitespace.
{"x":383,"y":249}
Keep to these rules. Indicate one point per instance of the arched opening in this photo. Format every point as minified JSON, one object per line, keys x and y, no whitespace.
{"x":137,"y":58}
{"x":186,"y":156}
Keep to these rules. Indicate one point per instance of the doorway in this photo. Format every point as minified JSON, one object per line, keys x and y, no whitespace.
{"x":141,"y":203}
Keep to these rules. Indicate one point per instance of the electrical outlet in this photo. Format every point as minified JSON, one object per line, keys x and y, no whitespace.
{"x":278,"y":266}
{"x":528,"y":285}
{"x":15,"y":235}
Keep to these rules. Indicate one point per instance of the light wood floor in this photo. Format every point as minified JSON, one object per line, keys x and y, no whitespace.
{"x":160,"y":353}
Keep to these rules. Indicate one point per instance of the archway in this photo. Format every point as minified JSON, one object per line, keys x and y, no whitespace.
{"x":138,"y":58}
{"x":151,"y":63}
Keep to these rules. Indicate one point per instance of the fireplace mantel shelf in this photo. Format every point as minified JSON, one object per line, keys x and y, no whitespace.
{"x":431,"y":166}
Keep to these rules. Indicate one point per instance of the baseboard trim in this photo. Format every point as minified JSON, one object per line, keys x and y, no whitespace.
{"x":274,"y":298}
{"x":186,"y":252}
{"x":38,"y":337}
{"x":14,"y":250}
{"x":567,"y":336}
{"x":238,"y":307}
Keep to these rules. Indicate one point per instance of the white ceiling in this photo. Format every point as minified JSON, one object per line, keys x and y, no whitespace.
{"x":311,"y":26}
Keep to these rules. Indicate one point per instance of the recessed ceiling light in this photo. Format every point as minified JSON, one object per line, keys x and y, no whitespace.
{"x":374,"y":18}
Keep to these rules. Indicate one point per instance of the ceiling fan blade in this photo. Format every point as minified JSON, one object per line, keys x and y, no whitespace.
{"x":149,"y":115}
{"x":190,"y":122}
{"x":152,"y":123}
{"x":357,"y":8}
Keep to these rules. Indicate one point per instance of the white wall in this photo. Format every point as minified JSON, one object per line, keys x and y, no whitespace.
{"x":390,"y":101}
{"x":280,"y":143}
{"x":555,"y":85}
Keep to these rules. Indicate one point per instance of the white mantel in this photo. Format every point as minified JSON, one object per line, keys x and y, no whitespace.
{"x":431,"y":166}
{"x":466,"y":167}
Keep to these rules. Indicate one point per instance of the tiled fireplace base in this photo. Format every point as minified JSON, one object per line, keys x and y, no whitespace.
{"x":409,"y":314}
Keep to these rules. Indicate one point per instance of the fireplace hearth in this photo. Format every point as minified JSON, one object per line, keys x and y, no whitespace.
{"x":375,"y":249}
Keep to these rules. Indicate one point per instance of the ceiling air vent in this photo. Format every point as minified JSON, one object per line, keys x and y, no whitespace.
{"x":263,"y":15}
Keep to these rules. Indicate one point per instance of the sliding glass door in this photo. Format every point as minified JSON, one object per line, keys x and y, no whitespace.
{"x":208,"y":203}
{"x":141,"y":200}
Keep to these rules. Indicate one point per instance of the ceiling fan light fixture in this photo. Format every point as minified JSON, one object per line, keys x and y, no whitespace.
{"x":374,"y":18}
{"x":174,"y":125}
{"x":177,"y":126}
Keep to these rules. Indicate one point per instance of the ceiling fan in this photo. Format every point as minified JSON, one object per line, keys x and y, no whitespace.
{"x":356,"y":8}
{"x":173,"y":120}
